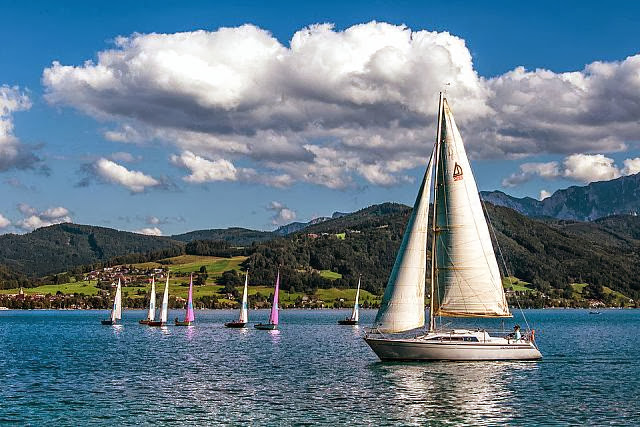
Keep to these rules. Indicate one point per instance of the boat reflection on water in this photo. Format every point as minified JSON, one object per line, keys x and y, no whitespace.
{"x":275,"y":335}
{"x":471,"y":393}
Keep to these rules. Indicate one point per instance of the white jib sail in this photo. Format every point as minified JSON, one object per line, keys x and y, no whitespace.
{"x":244,"y":317}
{"x":355,"y":314}
{"x":116,"y":313}
{"x":165,"y":302}
{"x":152,"y":300}
{"x":402,"y":306}
{"x":468,"y":278}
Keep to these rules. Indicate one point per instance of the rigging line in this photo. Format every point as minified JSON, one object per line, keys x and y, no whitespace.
{"x":506,"y":269}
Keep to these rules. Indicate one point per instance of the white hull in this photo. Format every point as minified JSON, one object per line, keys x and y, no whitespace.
{"x":441,"y":347}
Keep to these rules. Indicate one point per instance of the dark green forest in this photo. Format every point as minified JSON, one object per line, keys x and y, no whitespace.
{"x":548,"y":253}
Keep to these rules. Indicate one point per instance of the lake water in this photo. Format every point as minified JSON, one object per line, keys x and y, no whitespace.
{"x":65,"y":368}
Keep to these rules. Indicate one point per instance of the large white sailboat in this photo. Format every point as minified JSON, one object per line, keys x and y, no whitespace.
{"x":465,"y":278}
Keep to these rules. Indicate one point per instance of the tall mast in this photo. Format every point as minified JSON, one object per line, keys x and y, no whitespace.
{"x":432,"y":318}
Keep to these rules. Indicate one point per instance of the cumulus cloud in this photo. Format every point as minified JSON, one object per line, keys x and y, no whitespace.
{"x":4,"y":222}
{"x":34,"y":219}
{"x":150,"y":231}
{"x":577,"y":167}
{"x":590,"y":168}
{"x":544,"y":194}
{"x":334,"y":106}
{"x":281,"y":213}
{"x":109,"y":171}
{"x":203,"y":170}
{"x":13,"y":154}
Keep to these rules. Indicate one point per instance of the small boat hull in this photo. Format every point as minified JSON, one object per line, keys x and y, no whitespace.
{"x":156,"y":323}
{"x":185,"y":323}
{"x":440,"y":347}
{"x":144,"y":321}
{"x":266,"y":326}
{"x":236,"y":324}
{"x":108,"y":322}
{"x":347,"y":322}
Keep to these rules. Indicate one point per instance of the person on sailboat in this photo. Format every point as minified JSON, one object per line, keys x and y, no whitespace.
{"x":516,"y":333}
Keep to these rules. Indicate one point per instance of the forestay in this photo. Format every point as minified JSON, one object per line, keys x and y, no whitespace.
{"x":468,"y":278}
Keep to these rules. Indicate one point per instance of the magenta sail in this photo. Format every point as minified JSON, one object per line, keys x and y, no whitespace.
{"x":190,"y":315}
{"x":273,"y":319}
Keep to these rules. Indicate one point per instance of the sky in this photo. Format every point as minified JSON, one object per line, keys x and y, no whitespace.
{"x":163,"y":117}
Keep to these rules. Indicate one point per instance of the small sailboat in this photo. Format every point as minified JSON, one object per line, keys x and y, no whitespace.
{"x":116,"y":310}
{"x":164,"y":310}
{"x":355,"y":314}
{"x":151,"y":315}
{"x":273,"y":318}
{"x":465,"y":278}
{"x":244,"y":316}
{"x":189,"y":317}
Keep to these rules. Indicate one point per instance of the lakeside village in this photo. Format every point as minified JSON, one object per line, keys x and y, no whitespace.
{"x":95,"y":289}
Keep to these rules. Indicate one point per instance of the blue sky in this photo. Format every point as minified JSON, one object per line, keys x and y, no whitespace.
{"x":169,"y":149}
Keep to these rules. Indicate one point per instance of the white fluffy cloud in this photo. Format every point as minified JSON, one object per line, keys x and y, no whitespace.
{"x":115,"y":173}
{"x":577,"y":167}
{"x":150,"y":231}
{"x":333,"y":106}
{"x":13,"y":154}
{"x":4,"y":222}
{"x":544,"y":194}
{"x":203,"y":170}
{"x":34,"y":219}
{"x":281,"y":213}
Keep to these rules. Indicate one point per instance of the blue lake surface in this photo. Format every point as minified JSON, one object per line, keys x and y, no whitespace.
{"x":64,"y":368}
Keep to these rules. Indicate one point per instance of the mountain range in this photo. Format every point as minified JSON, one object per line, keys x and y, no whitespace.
{"x":619,"y":196}
{"x":546,"y":251}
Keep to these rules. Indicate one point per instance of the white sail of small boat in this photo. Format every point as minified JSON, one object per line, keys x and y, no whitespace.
{"x":116,"y":309}
{"x":164,"y":309}
{"x":116,"y":313}
{"x":151,"y":314}
{"x":244,"y":307}
{"x":465,"y":279}
{"x":152,"y":300}
{"x":355,"y":313}
{"x":164,"y":312}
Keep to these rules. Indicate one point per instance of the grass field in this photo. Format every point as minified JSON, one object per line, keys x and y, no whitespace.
{"x":331,"y":275}
{"x":578,"y":288}
{"x":515,"y":284}
{"x":87,"y":288}
{"x":192,"y":263}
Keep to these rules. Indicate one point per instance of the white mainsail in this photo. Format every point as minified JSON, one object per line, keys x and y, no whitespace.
{"x":152,"y":300}
{"x":165,"y":302}
{"x":402,"y":306}
{"x":467,"y":275}
{"x":116,"y":313}
{"x":244,"y":317}
{"x":355,"y":314}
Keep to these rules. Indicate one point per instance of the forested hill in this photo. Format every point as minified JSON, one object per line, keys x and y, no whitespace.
{"x":233,"y":235}
{"x":550,"y":254}
{"x":60,"y":247}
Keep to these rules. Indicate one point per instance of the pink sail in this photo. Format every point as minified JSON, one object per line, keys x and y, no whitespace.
{"x":190,"y":315}
{"x":273,"y":319}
